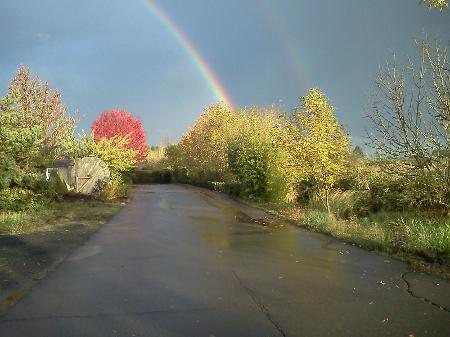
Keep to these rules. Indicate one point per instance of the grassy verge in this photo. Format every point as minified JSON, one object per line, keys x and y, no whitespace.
{"x":423,"y":240}
{"x":57,"y":214}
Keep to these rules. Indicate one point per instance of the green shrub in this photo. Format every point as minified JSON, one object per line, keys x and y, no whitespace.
{"x":9,"y":172}
{"x":142,"y":177}
{"x":19,"y":199}
{"x":218,"y":186}
{"x":181,"y":175}
{"x":119,"y":186}
{"x":347,"y":204}
{"x":167,"y":176}
{"x":57,"y":185}
{"x":257,"y":179}
{"x":381,"y":190}
{"x":146,"y":176}
{"x":305,"y":191}
{"x":425,"y":191}
{"x":36,"y":182}
{"x":249,"y":162}
{"x":278,"y":186}
{"x":232,"y":189}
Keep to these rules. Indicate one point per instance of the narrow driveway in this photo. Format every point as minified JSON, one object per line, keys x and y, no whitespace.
{"x":182,"y":261}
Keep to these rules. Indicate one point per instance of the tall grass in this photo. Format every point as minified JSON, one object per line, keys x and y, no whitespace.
{"x":418,"y":233}
{"x":14,"y":222}
{"x":413,"y":233}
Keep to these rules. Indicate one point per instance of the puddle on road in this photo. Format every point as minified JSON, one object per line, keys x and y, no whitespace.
{"x":227,"y":227}
{"x":205,"y":218}
{"x":222,"y":230}
{"x":231,"y":228}
{"x":234,"y":217}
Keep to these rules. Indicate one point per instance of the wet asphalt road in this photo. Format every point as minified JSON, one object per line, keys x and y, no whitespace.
{"x":181,"y":261}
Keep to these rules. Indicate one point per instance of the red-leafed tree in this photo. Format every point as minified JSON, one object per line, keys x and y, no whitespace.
{"x":121,"y":123}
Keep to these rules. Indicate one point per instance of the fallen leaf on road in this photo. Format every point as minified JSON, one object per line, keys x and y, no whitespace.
{"x":385,"y":320}
{"x":381,"y":282}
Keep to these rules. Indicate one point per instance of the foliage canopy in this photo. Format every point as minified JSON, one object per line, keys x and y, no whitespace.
{"x":115,"y":123}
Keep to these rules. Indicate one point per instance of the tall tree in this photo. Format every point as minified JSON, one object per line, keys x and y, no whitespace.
{"x":34,"y":125}
{"x":204,"y":147}
{"x":115,"y":123}
{"x":411,"y":118}
{"x":318,"y":144}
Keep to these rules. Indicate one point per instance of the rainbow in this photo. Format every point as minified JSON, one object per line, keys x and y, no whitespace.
{"x":285,"y":38}
{"x":215,"y":87}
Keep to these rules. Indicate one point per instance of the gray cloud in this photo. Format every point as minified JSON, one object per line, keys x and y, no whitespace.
{"x":104,"y":53}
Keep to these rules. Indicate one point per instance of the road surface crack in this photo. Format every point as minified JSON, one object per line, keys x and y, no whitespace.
{"x":260,"y":305}
{"x":413,"y":294}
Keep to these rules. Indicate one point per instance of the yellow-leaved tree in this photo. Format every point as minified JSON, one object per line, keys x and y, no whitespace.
{"x":203,"y":148}
{"x":113,"y":151}
{"x":439,"y":4}
{"x":318,"y":144}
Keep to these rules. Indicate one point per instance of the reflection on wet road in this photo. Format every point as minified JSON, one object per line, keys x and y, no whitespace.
{"x":182,"y":261}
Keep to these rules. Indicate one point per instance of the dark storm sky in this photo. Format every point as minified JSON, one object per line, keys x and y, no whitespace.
{"x":106,"y":54}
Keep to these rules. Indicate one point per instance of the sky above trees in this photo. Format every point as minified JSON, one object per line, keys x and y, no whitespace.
{"x":117,"y":54}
